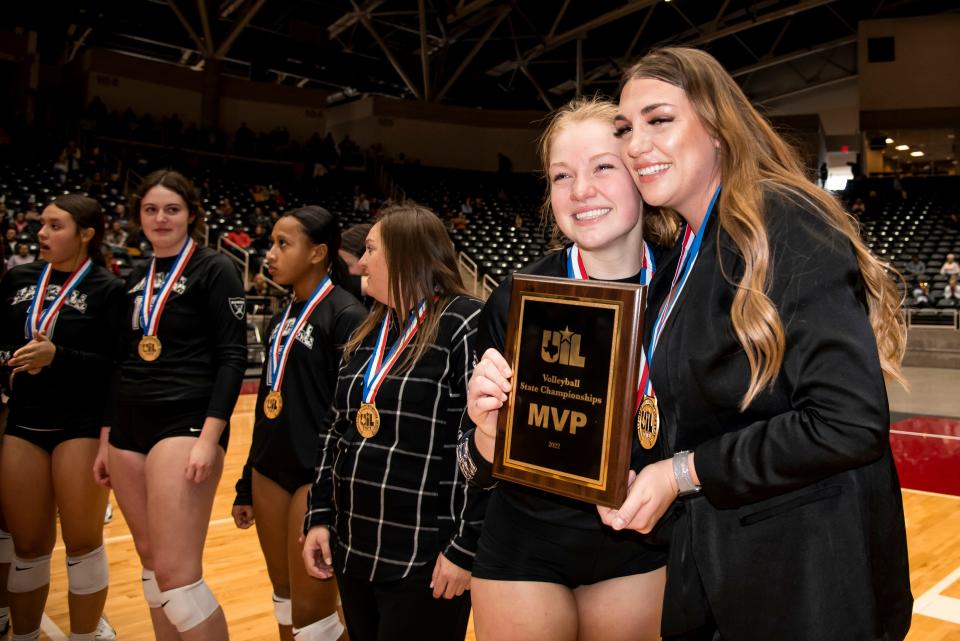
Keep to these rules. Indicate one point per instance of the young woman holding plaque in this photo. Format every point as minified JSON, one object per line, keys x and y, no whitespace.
{"x":546,"y":567}
{"x":293,"y":411}
{"x":178,"y":386}
{"x":59,"y":324}
{"x":390,"y":513}
{"x":768,"y":344}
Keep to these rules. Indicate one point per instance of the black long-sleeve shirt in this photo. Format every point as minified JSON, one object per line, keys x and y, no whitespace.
{"x":398,"y":499}
{"x":309,"y":381}
{"x":203,"y":333}
{"x":78,"y":387}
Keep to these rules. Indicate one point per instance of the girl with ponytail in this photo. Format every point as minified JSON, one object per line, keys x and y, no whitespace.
{"x":293,"y":411}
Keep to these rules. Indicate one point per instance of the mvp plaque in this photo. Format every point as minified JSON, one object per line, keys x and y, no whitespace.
{"x":568,"y":424}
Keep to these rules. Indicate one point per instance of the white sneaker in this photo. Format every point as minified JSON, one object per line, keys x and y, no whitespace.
{"x":108,"y":515}
{"x":4,"y":630}
{"x":105,"y":631}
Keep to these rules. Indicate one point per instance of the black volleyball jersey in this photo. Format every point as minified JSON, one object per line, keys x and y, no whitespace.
{"x":491,"y":332}
{"x":309,"y":381}
{"x":77,"y":389}
{"x":202,"y":331}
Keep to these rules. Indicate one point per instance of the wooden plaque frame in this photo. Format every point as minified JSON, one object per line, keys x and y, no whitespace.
{"x":537,"y":442}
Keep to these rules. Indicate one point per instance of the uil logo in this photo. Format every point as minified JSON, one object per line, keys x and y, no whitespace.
{"x":561,"y":347}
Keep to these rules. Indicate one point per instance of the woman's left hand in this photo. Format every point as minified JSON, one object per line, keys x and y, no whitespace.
{"x":449,"y":579}
{"x":202,"y":459}
{"x":33,"y":356}
{"x":651,"y":493}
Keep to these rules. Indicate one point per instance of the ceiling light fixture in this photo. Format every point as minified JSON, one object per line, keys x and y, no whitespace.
{"x":902,"y":147}
{"x":916,"y":154}
{"x":889,"y":140}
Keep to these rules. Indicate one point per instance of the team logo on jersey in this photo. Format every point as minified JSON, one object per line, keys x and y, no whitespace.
{"x":179,"y":287}
{"x":304,"y":336}
{"x":77,"y":300}
{"x":237,"y":306}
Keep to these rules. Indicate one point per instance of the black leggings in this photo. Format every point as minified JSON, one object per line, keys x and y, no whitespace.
{"x":402,"y":610}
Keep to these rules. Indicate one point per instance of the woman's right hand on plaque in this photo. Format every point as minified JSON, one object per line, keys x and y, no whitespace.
{"x":487,"y":391}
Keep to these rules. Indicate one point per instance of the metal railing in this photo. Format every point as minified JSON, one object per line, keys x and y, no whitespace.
{"x":469,"y":266}
{"x":242,"y":263}
{"x":489,"y":284}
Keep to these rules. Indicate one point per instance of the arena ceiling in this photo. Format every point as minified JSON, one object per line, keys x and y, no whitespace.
{"x":519,"y":54}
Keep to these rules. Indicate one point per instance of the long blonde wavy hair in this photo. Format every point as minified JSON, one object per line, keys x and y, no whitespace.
{"x":659,"y":230}
{"x":754,"y":159}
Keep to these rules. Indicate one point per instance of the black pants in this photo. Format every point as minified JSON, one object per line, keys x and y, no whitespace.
{"x":402,"y":610}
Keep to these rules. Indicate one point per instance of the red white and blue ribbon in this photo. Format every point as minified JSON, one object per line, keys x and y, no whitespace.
{"x":41,"y":321}
{"x":577,"y":271}
{"x":688,"y":258}
{"x":149,"y":311}
{"x":280,"y":349}
{"x":379,"y":366}
{"x":648,"y":268}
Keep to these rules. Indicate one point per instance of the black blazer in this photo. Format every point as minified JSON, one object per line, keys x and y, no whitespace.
{"x":799,"y":531}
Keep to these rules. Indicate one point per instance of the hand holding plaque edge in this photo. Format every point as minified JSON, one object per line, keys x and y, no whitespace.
{"x":487,"y":391}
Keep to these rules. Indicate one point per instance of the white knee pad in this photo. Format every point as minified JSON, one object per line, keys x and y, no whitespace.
{"x":188,"y":606}
{"x":151,"y":591}
{"x":26,"y":575}
{"x":283,"y":610}
{"x":89,"y":573}
{"x":6,"y":547}
{"x":328,"y":629}
{"x":29,"y":636}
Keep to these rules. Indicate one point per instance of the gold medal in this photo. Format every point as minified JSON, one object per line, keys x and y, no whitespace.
{"x":368,"y":420}
{"x":272,"y":404}
{"x":149,"y":348}
{"x":648,"y":422}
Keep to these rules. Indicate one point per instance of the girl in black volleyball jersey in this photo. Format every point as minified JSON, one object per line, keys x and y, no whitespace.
{"x":546,"y":566}
{"x":59,"y":324}
{"x":293,"y":410}
{"x":389,"y":512}
{"x":178,"y":385}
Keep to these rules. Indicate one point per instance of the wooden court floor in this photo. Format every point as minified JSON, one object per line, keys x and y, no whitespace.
{"x":235,"y":571}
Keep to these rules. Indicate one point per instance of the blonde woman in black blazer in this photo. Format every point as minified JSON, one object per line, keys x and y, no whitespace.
{"x":770,"y":336}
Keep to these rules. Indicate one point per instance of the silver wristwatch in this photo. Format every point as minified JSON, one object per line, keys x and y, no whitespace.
{"x":681,"y":471}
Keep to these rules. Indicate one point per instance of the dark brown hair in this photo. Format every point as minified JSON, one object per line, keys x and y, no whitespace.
{"x":354,"y":238}
{"x":180,"y":185}
{"x":87,"y":214}
{"x":421,"y":265}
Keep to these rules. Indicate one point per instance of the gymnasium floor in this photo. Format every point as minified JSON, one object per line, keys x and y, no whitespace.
{"x":925,"y":437}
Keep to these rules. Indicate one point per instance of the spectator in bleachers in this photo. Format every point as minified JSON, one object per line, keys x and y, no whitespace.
{"x":119,"y":212}
{"x":951,"y":292}
{"x":858,"y":208}
{"x":467,"y":207}
{"x":20,"y":221}
{"x":953,"y":220}
{"x":259,"y":194}
{"x":226,"y":208}
{"x":518,"y":221}
{"x":260,"y":239}
{"x":239,"y":237}
{"x":921,"y":294}
{"x":915,"y":267}
{"x":22,"y":257}
{"x":824,"y":173}
{"x":361,"y":203}
{"x":115,"y":236}
{"x":950,"y":266}
{"x":10,"y":241}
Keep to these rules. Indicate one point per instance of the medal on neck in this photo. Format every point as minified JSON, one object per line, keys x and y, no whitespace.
{"x":42,"y":321}
{"x":368,"y":417}
{"x":648,"y":412}
{"x":149,"y":346}
{"x":280,"y":349}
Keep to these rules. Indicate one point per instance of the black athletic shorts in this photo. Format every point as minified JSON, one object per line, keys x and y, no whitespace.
{"x":285,"y":474}
{"x":517,"y":547}
{"x":48,"y":439}
{"x":139,"y":427}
